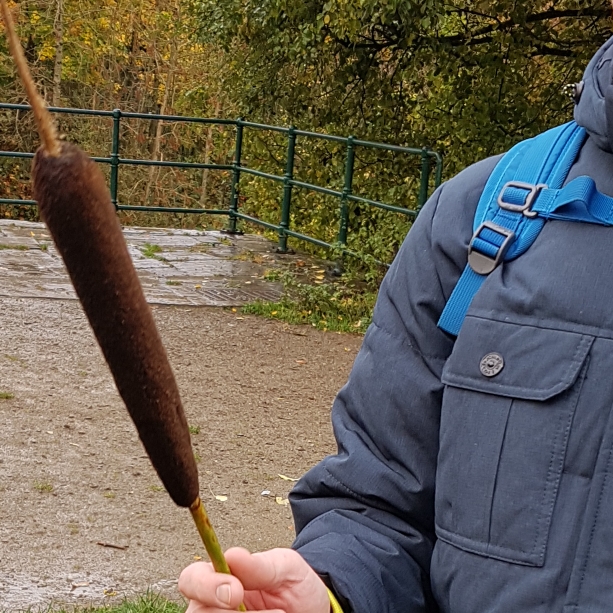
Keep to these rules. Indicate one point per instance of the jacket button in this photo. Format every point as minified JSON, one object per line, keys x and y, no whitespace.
{"x":491,"y":364}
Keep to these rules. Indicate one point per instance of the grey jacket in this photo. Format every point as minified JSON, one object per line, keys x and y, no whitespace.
{"x":460,"y":493}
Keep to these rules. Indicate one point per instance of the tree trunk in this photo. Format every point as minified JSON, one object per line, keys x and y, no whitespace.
{"x":58,"y":30}
{"x":207,"y":154}
{"x":157,"y":141}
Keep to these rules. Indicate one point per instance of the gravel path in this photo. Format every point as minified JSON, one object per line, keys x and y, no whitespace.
{"x":73,"y":473}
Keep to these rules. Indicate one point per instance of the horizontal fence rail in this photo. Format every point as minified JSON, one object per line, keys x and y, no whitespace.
{"x":431,"y":161}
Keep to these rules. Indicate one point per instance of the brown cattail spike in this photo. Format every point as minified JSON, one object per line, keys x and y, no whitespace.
{"x":74,"y":202}
{"x":44,"y":121}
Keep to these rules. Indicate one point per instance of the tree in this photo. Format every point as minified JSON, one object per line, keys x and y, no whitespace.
{"x":467,"y":77}
{"x":137,"y":56}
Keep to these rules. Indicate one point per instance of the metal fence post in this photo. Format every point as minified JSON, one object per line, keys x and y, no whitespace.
{"x":236,"y":177}
{"x":287,"y":189}
{"x":115,"y":157}
{"x":425,"y":179}
{"x":344,"y":209}
{"x":438,"y":175}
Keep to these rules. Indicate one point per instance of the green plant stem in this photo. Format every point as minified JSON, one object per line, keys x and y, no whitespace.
{"x":209,"y":538}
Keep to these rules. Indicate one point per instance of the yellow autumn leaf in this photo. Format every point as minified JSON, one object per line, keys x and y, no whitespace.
{"x":286,"y":478}
{"x":282,"y":501}
{"x":221,"y":498}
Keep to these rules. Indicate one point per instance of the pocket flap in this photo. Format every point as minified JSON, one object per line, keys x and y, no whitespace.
{"x":524,"y":361}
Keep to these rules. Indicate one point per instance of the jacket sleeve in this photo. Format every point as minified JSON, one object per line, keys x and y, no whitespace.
{"x":365,"y":516}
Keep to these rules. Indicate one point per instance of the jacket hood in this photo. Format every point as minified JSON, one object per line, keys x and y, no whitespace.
{"x":594,"y":97}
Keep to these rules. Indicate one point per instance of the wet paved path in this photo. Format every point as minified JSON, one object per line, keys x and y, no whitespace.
{"x":176,"y":267}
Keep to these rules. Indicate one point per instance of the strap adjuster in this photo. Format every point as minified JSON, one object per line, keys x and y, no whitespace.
{"x":483,"y":263}
{"x":526,"y":208}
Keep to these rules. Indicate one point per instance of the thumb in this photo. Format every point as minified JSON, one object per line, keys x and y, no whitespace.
{"x":200,"y":583}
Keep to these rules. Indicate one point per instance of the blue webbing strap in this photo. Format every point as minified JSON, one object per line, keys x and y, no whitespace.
{"x":577,"y":201}
{"x":505,"y":225}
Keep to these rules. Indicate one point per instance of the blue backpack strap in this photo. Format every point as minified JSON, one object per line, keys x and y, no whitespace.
{"x":506,"y":222}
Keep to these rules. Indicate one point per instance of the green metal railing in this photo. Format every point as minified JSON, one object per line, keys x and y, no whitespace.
{"x":431,"y":161}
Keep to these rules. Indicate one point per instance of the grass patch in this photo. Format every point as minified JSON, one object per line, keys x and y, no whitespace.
{"x":6,"y":396}
{"x":44,"y":247}
{"x":150,"y":603}
{"x":194,"y":429}
{"x":151,"y":251}
{"x":16,"y":247}
{"x":337,"y":307}
{"x":273,"y":275}
{"x":173,"y":282}
{"x":43,"y":487}
{"x":249,"y":256}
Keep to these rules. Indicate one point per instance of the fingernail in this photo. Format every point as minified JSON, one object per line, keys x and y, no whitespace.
{"x":224,"y":593}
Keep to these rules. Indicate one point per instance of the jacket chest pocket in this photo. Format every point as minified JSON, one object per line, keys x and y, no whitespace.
{"x":508,"y":406}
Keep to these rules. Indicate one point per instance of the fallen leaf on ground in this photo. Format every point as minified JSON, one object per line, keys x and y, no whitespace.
{"x":221,"y":498}
{"x":197,"y":558}
{"x":285,"y":478}
{"x":77,"y":585}
{"x":282,"y":501}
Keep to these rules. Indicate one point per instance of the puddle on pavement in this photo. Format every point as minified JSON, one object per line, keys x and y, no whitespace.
{"x":193,"y":269}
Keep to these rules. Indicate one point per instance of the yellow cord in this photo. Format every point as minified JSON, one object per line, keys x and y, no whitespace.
{"x":334,"y":606}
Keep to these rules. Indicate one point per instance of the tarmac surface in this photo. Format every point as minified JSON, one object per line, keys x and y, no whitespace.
{"x":176,"y":267}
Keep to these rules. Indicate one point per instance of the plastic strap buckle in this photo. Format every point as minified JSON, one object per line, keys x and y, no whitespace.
{"x":482,"y":263}
{"x":526,"y":208}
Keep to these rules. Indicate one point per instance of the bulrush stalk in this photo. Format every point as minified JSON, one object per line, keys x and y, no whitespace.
{"x":75,"y":203}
